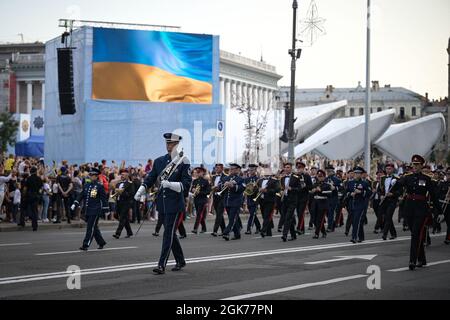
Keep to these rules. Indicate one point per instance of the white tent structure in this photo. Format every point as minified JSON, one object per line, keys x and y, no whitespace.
{"x":344,"y":138}
{"x":419,"y":136}
{"x":309,"y":121}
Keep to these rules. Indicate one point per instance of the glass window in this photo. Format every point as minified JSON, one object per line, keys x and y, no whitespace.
{"x":361,"y":111}
{"x":413,"y":111}
{"x":352,"y":112}
{"x":402,"y":113}
{"x":379,"y":109}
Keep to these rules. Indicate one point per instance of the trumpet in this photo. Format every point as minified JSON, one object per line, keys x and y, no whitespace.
{"x":250,"y":189}
{"x":257,"y":196}
{"x":224,"y":188}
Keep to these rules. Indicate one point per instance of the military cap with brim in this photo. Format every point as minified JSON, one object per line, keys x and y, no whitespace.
{"x":329,"y":168}
{"x":417,"y":159}
{"x":321,"y":172}
{"x":253,"y":166}
{"x":301,"y":164}
{"x":234,"y":165}
{"x":358,"y":170}
{"x":200,"y":169}
{"x":171,"y":137}
{"x":390,"y":165}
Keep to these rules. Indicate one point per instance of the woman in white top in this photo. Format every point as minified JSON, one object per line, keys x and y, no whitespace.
{"x":45,"y":199}
{"x":3,"y":181}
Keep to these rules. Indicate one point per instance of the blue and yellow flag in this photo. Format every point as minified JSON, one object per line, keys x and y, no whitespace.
{"x":152,"y":66}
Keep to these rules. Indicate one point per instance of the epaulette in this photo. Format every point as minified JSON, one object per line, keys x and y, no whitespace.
{"x":296,"y":176}
{"x":407,"y":174}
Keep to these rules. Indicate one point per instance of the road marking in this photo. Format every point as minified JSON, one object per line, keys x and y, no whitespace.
{"x":145,"y":265}
{"x":14,"y":244}
{"x":343,"y":258}
{"x":428,"y":265}
{"x":79,"y":251}
{"x":298,"y":287}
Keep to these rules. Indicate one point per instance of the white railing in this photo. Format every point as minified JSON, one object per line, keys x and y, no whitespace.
{"x":247,"y":61}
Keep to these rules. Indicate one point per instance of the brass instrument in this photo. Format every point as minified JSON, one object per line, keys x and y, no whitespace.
{"x":250,"y":189}
{"x":446,"y":201}
{"x":224,"y":188}
{"x":257,"y":196}
{"x":196,"y":191}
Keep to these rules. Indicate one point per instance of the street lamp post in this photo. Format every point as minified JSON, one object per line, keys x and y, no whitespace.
{"x":295,"y":54}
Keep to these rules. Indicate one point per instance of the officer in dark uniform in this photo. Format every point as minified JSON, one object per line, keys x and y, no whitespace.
{"x":347,"y":201}
{"x":335,"y":184}
{"x":417,"y":185}
{"x":95,"y":202}
{"x":292,"y":186}
{"x":268,"y":188}
{"x":252,"y":205}
{"x":360,"y":191}
{"x":313,"y":174}
{"x":233,"y":199}
{"x":388,"y":201}
{"x":33,"y":188}
{"x":218,"y":199}
{"x":201,"y":189}
{"x":303,"y":195}
{"x":321,"y":192}
{"x":339,"y":219}
{"x":125,"y":191}
{"x":174,"y":171}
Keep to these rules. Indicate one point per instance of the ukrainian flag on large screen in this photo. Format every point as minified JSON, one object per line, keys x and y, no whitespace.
{"x":152,"y":66}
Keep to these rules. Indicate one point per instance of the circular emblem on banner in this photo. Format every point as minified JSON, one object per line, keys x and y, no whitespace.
{"x":25,"y":125}
{"x":220,"y":126}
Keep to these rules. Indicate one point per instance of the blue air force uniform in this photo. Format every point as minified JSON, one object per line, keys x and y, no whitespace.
{"x":358,"y":204}
{"x":170,"y":203}
{"x":232,"y":201}
{"x":252,"y":205}
{"x":95,"y":202}
{"x":334,"y":198}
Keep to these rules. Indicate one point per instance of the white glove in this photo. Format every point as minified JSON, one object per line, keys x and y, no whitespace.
{"x":139,"y":193}
{"x":72,"y":207}
{"x":175,"y":186}
{"x":440,"y":218}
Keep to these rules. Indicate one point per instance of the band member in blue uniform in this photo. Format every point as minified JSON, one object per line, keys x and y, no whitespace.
{"x":321,"y":192}
{"x":303,"y":195}
{"x":335,"y":184}
{"x":417,"y":186}
{"x":171,"y":174}
{"x":359,"y":191}
{"x":252,"y":205}
{"x":95,"y":203}
{"x":218,"y":199}
{"x":233,"y":199}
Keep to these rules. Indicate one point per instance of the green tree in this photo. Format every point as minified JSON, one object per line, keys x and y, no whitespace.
{"x":8,"y":131}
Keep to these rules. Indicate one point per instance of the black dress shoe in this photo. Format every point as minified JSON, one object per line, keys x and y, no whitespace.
{"x":316,"y":236}
{"x":375,"y":231}
{"x":284,"y":239}
{"x":420,"y":264}
{"x":84,"y":248}
{"x":353,"y":241}
{"x":248,"y":232}
{"x":155,"y":234}
{"x":226,"y":237}
{"x":384,"y":238}
{"x":128,"y":236}
{"x":236,"y":238}
{"x":359,"y":241}
{"x":116,"y":236}
{"x":280,"y":230}
{"x":159,"y":270}
{"x":101,"y":246}
{"x":411,"y":266}
{"x":178,"y":267}
{"x":392,"y":238}
{"x":194,"y":231}
{"x":446,"y":241}
{"x":346,"y":234}
{"x":263,"y":234}
{"x":214,"y":234}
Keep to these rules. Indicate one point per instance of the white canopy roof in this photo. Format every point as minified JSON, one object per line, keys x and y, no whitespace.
{"x":344,"y":138}
{"x":309,"y":120}
{"x":402,"y":141}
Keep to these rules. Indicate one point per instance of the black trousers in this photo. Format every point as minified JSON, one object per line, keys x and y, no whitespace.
{"x":320,"y":210}
{"x":267,"y":209}
{"x":387,"y":210}
{"x":416,"y":212}
{"x":349,"y":221}
{"x":64,"y":202}
{"x":200,"y":208}
{"x":253,"y":219}
{"x":218,"y":208}
{"x":283,"y":211}
{"x":170,"y":240}
{"x":301,"y":208}
{"x":92,"y":231}
{"x":233,"y":223}
{"x":123,"y":209}
{"x":30,"y":208}
{"x":312,"y":218}
{"x":289,"y":219}
{"x":379,"y":225}
{"x":339,"y":220}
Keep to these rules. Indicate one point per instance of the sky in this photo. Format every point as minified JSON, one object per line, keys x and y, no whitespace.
{"x":409,"y":37}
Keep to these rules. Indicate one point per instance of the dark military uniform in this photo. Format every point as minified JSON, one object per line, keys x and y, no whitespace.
{"x":267,"y":203}
{"x":124,"y":204}
{"x":321,"y":205}
{"x":218,"y":203}
{"x":417,"y":185}
{"x":290,"y":201}
{"x":388,"y":204}
{"x":334,"y":181}
{"x":95,"y":202}
{"x":233,"y":200}
{"x":201,"y":202}
{"x":252,"y":206}
{"x":444,"y":199}
{"x":358,"y":205}
{"x":302,"y":202}
{"x":170,"y":203}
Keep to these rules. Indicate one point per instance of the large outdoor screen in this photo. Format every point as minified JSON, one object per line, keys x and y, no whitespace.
{"x":152,"y":66}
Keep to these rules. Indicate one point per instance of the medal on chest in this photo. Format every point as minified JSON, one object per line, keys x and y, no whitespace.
{"x":94,"y":193}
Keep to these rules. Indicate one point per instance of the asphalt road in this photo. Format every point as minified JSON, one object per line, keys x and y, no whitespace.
{"x":34,"y":266}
